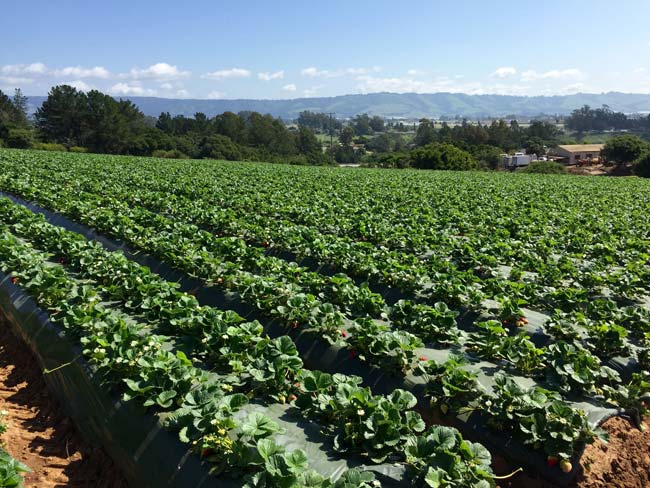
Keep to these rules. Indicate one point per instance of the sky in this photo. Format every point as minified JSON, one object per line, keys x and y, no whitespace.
{"x":292,"y":48}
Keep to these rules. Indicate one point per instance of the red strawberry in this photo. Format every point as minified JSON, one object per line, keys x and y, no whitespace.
{"x":14,"y":280}
{"x":551,"y":461}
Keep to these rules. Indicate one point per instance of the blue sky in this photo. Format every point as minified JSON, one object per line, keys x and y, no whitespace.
{"x":290,"y":49}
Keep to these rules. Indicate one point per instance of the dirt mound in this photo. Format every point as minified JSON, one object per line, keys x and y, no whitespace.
{"x":624,"y":462}
{"x":38,"y":434}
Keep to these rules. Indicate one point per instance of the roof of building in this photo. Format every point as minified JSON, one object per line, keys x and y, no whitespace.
{"x":578,"y":148}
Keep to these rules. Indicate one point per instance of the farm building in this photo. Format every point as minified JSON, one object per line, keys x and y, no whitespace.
{"x":575,"y":153}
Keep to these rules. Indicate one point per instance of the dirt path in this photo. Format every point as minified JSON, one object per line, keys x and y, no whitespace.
{"x":39,"y":435}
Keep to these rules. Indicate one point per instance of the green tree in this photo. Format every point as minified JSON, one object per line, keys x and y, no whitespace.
{"x":59,"y":119}
{"x":535,"y":145}
{"x":623,"y":149}
{"x":20,"y":138}
{"x":380,"y":143}
{"x":426,"y":133}
{"x":376,"y":124}
{"x":346,"y":136}
{"x":20,"y":104}
{"x":487,"y":156}
{"x":308,"y":142}
{"x":442,"y":156}
{"x":641,"y":165}
{"x":361,"y":125}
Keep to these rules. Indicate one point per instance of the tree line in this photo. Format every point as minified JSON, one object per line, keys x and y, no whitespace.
{"x":587,"y":119}
{"x":70,"y":119}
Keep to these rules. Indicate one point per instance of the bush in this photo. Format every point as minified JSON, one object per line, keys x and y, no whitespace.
{"x":171,"y":154}
{"x":389,"y":160}
{"x":78,"y":149}
{"x":49,"y":146}
{"x":20,"y":138}
{"x":623,"y":149}
{"x":545,"y":167}
{"x":442,"y":156}
{"x":219,"y":147}
{"x":641,"y":165}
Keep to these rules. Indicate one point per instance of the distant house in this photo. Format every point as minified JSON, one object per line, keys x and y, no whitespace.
{"x":577,"y":153}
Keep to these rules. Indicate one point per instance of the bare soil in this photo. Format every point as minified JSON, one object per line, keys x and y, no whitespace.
{"x":624,"y":462}
{"x":39,"y":435}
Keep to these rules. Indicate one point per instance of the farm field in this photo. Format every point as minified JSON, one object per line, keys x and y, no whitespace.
{"x":306,"y":326}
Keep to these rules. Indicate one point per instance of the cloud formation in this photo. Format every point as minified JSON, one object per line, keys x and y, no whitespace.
{"x":278,"y":75}
{"x":554,"y":74}
{"x":227,"y":74}
{"x":131,"y":89}
{"x":290,"y":87}
{"x":504,"y":72}
{"x":158,"y":71}
{"x":313,"y":72}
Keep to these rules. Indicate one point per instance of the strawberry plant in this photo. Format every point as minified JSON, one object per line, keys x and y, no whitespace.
{"x":392,"y":349}
{"x":448,"y":385}
{"x":444,"y":458}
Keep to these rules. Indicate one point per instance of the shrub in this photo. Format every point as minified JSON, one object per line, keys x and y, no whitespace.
{"x":442,"y":156}
{"x":171,"y":154}
{"x":623,"y":149}
{"x":545,"y":167}
{"x":78,"y":149}
{"x":49,"y":146}
{"x":641,"y":166}
{"x":20,"y":138}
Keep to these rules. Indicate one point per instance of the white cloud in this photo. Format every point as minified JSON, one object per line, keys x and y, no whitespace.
{"x":414,"y":72}
{"x":182,"y":93}
{"x":216,"y":95}
{"x":278,"y":75}
{"x":80,"y":85}
{"x":80,"y":72}
{"x":406,"y":84}
{"x":158,"y":71}
{"x":637,"y":71}
{"x":358,"y":71}
{"x":504,"y":72}
{"x":24,"y":69}
{"x":226,"y":74}
{"x":131,"y":89}
{"x":16,"y":80}
{"x":166,"y":86}
{"x":554,"y":74}
{"x":313,"y":72}
{"x":290,"y":87}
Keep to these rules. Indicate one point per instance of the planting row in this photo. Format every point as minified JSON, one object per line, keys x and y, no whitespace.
{"x":144,"y":293}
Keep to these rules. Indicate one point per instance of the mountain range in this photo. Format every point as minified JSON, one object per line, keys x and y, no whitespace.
{"x":397,"y":105}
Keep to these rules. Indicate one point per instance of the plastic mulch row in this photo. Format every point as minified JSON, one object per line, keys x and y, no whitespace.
{"x":318,"y":354}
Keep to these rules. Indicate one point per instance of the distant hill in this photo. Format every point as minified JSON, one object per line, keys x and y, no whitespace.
{"x":398,"y":105}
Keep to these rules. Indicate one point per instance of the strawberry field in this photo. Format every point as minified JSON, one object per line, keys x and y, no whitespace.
{"x":302,"y":326}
